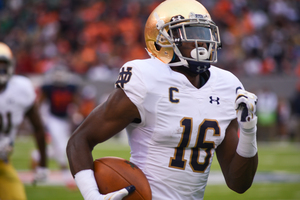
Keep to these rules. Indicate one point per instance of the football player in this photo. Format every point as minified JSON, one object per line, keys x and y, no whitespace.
{"x":58,"y":96}
{"x":178,"y":110}
{"x":17,"y":100}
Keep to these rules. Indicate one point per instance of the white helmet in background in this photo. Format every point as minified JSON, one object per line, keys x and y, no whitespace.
{"x":6,"y":63}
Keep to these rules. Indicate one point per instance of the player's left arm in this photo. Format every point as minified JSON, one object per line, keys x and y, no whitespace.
{"x":238,"y":171}
{"x":238,"y":156}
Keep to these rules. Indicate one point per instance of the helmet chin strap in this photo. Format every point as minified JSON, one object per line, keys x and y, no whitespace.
{"x":194,"y":66}
{"x":198,"y":67}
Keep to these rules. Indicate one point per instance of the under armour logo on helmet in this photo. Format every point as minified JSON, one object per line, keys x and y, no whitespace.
{"x":177,"y":18}
{"x":214,"y":100}
{"x":197,"y":16}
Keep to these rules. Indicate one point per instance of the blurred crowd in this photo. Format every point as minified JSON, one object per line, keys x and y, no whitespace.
{"x":260,"y":37}
{"x":278,"y":117}
{"x":94,"y":38}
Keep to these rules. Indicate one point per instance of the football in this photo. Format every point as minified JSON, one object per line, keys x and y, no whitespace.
{"x":113,"y":173}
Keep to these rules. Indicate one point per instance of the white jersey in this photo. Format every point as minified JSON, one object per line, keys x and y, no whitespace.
{"x":180,"y":125}
{"x":15,"y":100}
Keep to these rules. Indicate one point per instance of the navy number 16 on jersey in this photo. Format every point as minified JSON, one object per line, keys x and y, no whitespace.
{"x":178,"y":160}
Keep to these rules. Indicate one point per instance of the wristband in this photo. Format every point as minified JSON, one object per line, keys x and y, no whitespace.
{"x":247,"y":146}
{"x":87,"y":185}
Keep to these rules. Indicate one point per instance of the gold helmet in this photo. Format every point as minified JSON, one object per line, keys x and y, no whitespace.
{"x":6,"y":63}
{"x":176,"y":21}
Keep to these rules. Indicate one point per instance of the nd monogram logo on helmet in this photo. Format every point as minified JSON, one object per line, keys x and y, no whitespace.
{"x":124,"y":76}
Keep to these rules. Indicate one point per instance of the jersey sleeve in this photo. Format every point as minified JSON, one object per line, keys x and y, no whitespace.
{"x":131,"y":81}
{"x":227,"y":85}
{"x":235,"y":85}
{"x":27,"y":91}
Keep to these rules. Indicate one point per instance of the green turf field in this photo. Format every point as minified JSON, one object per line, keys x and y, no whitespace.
{"x":274,"y":159}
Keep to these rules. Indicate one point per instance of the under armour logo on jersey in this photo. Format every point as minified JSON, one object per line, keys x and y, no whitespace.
{"x":124,"y":76}
{"x":214,"y":100}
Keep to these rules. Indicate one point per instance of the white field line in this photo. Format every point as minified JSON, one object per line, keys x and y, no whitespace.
{"x":55,"y":178}
{"x":215,"y":178}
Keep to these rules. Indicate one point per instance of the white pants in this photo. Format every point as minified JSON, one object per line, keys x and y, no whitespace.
{"x":60,"y":131}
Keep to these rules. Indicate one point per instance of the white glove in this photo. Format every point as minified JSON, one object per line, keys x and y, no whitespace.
{"x":245,"y":105}
{"x":6,"y":148}
{"x":41,"y":175}
{"x":87,"y":185}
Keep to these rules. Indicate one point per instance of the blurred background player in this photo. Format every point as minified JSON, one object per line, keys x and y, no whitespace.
{"x":87,"y":102}
{"x":267,"y":114}
{"x":295,"y":115}
{"x":58,"y":103}
{"x":17,"y":100}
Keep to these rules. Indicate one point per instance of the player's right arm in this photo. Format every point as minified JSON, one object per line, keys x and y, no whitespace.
{"x":39,"y":133}
{"x":103,"y":122}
